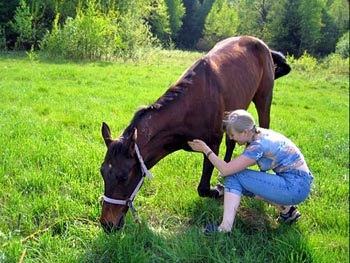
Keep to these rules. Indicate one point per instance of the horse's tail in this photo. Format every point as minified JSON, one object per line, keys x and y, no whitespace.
{"x":281,"y":66}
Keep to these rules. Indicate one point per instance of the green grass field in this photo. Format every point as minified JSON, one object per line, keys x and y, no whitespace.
{"x":51,"y":151}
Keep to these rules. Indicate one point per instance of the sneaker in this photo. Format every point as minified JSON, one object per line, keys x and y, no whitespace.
{"x":291,"y":216}
{"x":214,"y":228}
{"x":211,"y":228}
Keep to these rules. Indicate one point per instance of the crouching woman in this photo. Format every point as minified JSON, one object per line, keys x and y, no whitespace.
{"x":288,"y":184}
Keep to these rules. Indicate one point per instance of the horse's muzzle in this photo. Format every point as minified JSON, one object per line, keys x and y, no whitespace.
{"x":110,"y":227}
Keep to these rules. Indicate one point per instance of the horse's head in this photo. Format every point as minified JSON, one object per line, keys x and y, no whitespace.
{"x":121,"y":175}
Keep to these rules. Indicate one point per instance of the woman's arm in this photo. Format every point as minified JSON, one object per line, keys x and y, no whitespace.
{"x":236,"y":165}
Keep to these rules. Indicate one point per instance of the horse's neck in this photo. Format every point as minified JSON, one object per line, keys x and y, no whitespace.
{"x":152,"y":137}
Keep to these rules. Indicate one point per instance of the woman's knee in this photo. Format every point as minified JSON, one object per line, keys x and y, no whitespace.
{"x":233,"y":185}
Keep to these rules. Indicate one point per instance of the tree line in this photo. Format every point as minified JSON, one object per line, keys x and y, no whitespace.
{"x":104,"y":29}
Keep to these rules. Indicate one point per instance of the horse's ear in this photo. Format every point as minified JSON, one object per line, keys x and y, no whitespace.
{"x":106,"y":134}
{"x":132,"y":141}
{"x":134,"y":136}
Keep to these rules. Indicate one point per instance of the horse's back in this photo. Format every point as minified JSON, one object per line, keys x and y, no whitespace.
{"x":240,"y":65}
{"x":240,"y":45}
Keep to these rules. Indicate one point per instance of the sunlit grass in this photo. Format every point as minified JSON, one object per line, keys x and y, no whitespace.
{"x":51,"y":150}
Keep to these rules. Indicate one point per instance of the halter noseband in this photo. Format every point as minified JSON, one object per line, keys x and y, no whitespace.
{"x":129,"y":202}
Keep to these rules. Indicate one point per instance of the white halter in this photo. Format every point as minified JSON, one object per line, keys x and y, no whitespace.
{"x":129,"y":201}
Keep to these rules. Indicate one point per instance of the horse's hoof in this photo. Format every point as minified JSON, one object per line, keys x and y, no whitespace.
{"x":217,"y":192}
{"x":220,"y":188}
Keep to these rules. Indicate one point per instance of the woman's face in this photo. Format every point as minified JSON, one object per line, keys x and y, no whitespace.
{"x":238,"y":137}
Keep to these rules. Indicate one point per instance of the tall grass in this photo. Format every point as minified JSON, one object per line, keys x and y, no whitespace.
{"x":51,"y":149}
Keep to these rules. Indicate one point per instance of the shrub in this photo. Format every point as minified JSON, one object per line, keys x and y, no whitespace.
{"x":305,"y":63}
{"x":342,"y":47}
{"x":23,"y":26}
{"x":95,"y":35}
{"x":336,"y":64}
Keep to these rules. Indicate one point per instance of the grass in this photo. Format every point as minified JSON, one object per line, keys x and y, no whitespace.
{"x":51,"y":150}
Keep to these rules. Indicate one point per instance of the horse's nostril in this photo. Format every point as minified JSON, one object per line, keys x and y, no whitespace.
{"x":110,"y":228}
{"x":120,"y":223}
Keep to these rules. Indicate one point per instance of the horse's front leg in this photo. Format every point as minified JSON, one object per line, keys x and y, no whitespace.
{"x":204,"y":189}
{"x":230,"y":146}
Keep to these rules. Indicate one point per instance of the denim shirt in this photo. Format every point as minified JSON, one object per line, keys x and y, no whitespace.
{"x":273,"y":151}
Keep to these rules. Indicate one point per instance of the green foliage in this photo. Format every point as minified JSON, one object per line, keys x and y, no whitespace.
{"x":296,"y":26}
{"x":292,"y":27}
{"x":252,"y":17}
{"x":176,"y":11}
{"x":30,"y":22}
{"x":157,"y":17}
{"x":336,"y":64}
{"x":310,"y":12}
{"x":194,"y":20}
{"x":97,"y":36}
{"x":22,"y":25}
{"x":32,"y":55}
{"x":2,"y":39}
{"x":306,"y":64}
{"x":329,"y":34}
{"x":285,"y":20}
{"x":342,"y":47}
{"x":221,"y":23}
{"x":136,"y":37}
{"x":339,"y":11}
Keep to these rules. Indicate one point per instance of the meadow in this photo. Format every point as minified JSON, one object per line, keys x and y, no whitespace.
{"x":51,"y":151}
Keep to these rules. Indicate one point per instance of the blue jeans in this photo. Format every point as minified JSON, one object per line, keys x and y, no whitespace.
{"x":287,"y":188}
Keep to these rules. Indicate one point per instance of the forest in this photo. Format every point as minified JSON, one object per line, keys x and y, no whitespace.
{"x":108,"y":29}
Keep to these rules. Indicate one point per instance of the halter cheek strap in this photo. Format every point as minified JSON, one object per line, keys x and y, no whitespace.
{"x":129,"y":202}
{"x":142,"y":163}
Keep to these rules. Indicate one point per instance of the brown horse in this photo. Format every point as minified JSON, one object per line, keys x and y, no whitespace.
{"x":235,"y":72}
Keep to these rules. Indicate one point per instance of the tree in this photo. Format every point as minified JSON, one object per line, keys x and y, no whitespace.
{"x":329,"y":34}
{"x":339,"y":10}
{"x":335,"y":22}
{"x":176,"y":11}
{"x":253,"y":15}
{"x":284,"y":26}
{"x":193,"y":23}
{"x":310,"y":12}
{"x":342,"y":47}
{"x":7,"y":12}
{"x":22,"y":25}
{"x":158,"y":19}
{"x":220,"y":23}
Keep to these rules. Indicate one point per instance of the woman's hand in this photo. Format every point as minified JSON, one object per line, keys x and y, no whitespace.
{"x":199,"y":146}
{"x":236,"y":165}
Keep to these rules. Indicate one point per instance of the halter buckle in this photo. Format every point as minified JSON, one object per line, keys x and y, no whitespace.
{"x":130,"y":204}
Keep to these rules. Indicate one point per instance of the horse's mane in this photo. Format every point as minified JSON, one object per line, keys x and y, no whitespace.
{"x":184,"y":82}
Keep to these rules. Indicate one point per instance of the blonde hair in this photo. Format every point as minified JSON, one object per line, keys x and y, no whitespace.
{"x":239,"y":120}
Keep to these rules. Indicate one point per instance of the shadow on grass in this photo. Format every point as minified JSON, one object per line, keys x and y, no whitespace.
{"x":256,"y":237}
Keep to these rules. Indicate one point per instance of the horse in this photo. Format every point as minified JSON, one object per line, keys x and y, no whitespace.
{"x":237,"y":71}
